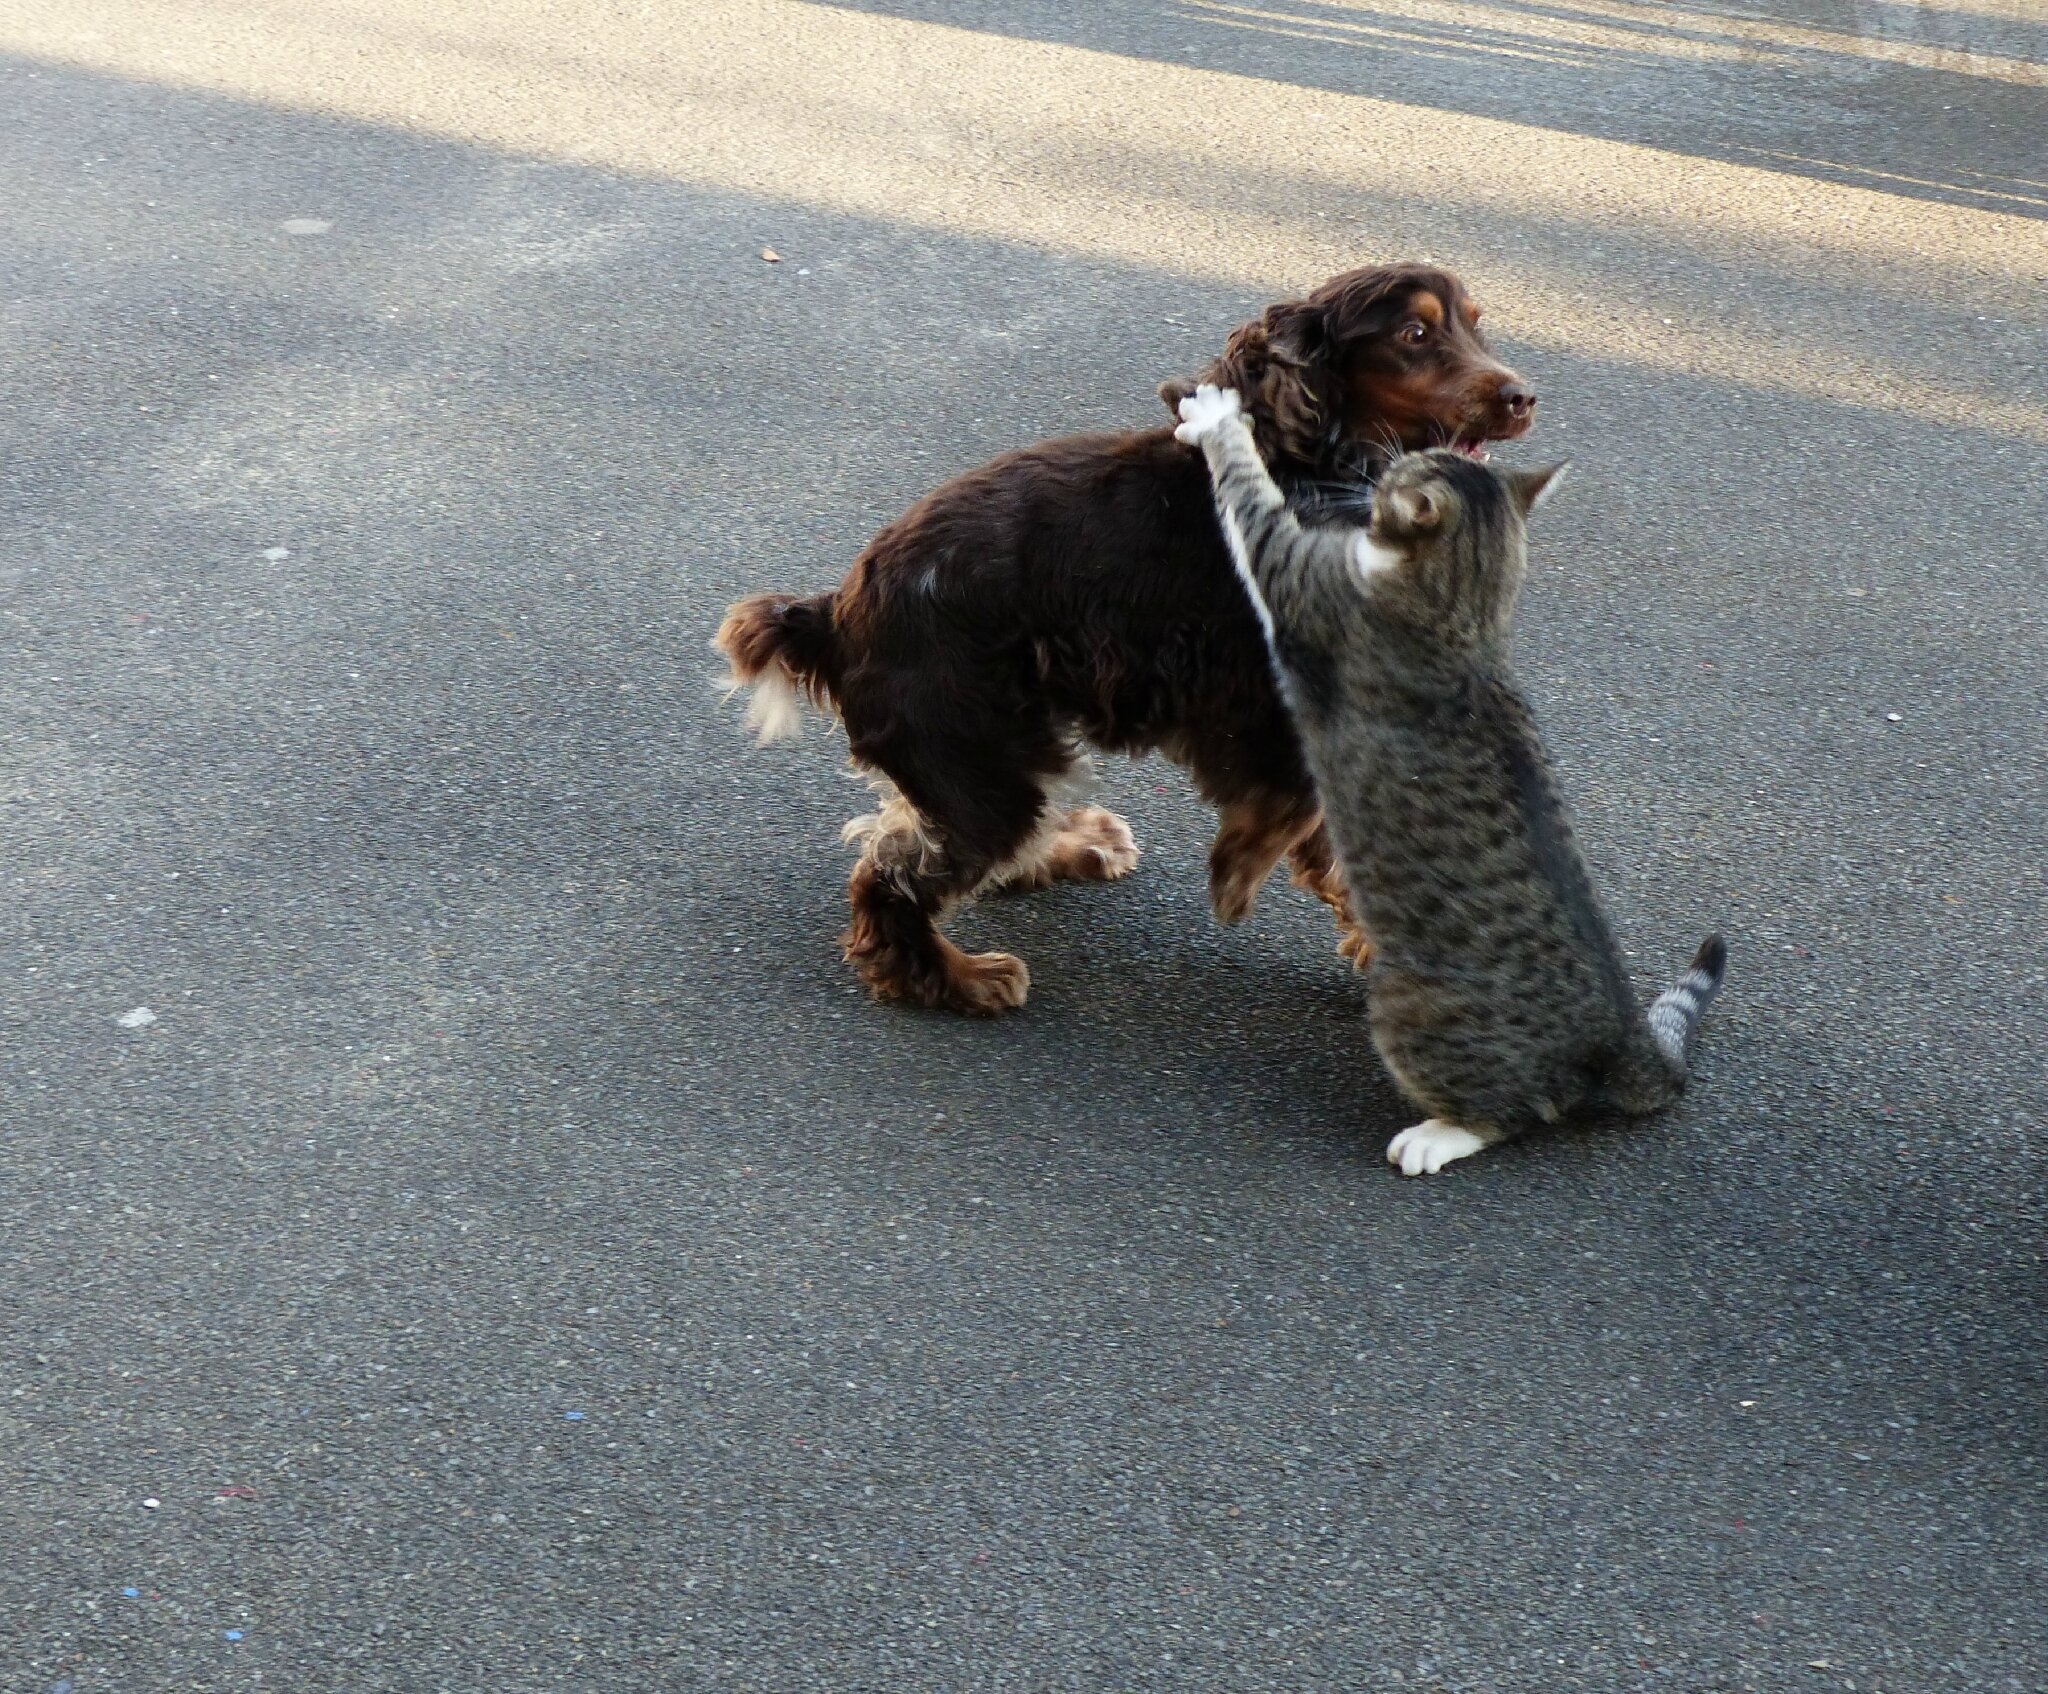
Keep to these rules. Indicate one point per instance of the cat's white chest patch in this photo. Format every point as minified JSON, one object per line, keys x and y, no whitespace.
{"x":1371,"y":558}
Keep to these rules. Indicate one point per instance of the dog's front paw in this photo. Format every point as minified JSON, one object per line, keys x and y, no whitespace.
{"x":1203,"y":410}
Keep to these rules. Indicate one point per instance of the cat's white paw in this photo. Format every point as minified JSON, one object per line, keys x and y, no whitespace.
{"x":1429,"y":1146}
{"x":1203,"y":410}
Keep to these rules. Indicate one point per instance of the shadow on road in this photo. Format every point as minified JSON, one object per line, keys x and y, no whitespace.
{"x":1720,"y":81}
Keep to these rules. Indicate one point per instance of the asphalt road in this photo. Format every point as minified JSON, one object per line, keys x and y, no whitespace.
{"x":516,"y":1257}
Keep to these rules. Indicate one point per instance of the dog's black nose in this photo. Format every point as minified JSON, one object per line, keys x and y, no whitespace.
{"x":1519,"y":401}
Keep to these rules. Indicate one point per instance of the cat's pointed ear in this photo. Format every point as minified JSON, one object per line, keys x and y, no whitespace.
{"x":1414,"y":508}
{"x":1532,"y":488}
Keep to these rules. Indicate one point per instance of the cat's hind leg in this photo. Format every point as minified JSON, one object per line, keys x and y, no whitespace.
{"x":1426,"y":1147}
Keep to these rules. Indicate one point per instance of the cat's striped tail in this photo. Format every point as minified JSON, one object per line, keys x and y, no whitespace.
{"x":1675,"y":1014}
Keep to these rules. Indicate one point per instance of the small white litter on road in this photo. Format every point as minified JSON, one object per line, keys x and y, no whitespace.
{"x":275,"y":554}
{"x":141,"y":1018}
{"x":305,"y":226}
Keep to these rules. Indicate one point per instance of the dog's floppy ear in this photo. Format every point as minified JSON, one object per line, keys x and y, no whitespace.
{"x":1298,"y":333}
{"x":1292,"y":336}
{"x":1282,"y":368}
{"x":1292,"y":410}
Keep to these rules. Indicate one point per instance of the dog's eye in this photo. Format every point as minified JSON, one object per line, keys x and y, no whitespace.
{"x":1414,"y":332}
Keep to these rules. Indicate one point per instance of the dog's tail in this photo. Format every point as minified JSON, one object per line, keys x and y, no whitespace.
{"x":785,"y":650}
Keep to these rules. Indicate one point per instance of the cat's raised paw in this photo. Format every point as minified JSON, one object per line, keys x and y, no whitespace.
{"x":1203,"y":410}
{"x":1429,"y":1146}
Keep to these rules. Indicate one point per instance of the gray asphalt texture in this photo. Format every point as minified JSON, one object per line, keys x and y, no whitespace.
{"x":518,"y":1257}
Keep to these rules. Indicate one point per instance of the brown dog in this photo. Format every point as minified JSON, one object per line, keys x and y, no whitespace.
{"x":1079,"y":591}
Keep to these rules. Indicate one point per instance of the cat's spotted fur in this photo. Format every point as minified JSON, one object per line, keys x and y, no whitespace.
{"x":1499,"y":998}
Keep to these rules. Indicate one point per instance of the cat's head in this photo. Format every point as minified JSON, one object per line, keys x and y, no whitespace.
{"x":1451,"y":530}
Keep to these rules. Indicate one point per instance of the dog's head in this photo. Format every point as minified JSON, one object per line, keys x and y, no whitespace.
{"x":1373,"y":364}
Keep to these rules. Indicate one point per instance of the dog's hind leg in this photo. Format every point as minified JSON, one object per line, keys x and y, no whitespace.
{"x":914,"y":869}
{"x":899,"y":891}
{"x":1083,"y":844}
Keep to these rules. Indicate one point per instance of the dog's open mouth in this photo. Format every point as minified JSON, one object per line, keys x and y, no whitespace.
{"x":1472,"y":446}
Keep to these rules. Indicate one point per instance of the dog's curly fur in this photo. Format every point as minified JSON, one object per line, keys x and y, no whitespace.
{"x":1079,"y":592}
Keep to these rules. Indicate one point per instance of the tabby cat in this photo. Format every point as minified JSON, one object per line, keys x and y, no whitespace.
{"x":1499,"y":998}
